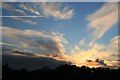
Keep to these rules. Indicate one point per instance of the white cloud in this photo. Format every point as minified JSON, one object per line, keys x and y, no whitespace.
{"x":2,"y":43}
{"x":55,"y":10}
{"x":103,"y":19}
{"x":113,"y":48}
{"x":50,"y":43}
{"x":30,"y":22}
{"x":77,"y":48}
{"x":29,"y":8}
{"x":82,"y":42}
{"x":26,"y":20}
{"x":20,"y":11}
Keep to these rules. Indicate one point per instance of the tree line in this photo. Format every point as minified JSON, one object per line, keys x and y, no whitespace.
{"x":63,"y":72}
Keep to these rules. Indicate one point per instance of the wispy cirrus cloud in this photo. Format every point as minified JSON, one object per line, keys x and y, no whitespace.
{"x":30,"y":22}
{"x":57,"y":10}
{"x":113,"y":47}
{"x":20,"y":9}
{"x":24,"y":20}
{"x":31,"y":9}
{"x":49,"y":43}
{"x":103,"y":19}
{"x":2,"y":43}
{"x":82,"y":42}
{"x":12,"y":9}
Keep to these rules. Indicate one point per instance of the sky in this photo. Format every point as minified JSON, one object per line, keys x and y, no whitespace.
{"x":65,"y":31}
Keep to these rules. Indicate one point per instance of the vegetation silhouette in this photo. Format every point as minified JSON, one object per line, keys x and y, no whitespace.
{"x":63,"y":72}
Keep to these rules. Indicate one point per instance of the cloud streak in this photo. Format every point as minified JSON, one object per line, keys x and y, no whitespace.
{"x":30,"y":9}
{"x":24,"y":20}
{"x":12,"y":10}
{"x":2,"y":43}
{"x":103,"y":19}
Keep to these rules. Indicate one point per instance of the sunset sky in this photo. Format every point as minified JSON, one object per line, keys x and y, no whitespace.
{"x":67,"y":31}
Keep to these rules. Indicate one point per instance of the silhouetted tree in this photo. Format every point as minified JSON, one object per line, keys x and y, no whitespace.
{"x":63,"y":72}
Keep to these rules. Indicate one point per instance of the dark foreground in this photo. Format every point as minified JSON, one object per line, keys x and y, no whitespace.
{"x":64,"y":72}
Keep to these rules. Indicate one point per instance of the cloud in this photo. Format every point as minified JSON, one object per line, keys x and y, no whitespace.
{"x":20,"y":9}
{"x":50,"y":43}
{"x":57,"y":10}
{"x":30,"y":9}
{"x":12,"y":9}
{"x":18,"y":59}
{"x":114,"y":43}
{"x":108,"y":53}
{"x":100,"y":61}
{"x":96,"y":63}
{"x":82,"y":55}
{"x":26,"y":11}
{"x":103,"y":19}
{"x":77,"y":48}
{"x":26,"y":20}
{"x":2,"y":43}
{"x":30,"y":22}
{"x":26,"y":53}
{"x":50,"y":46}
{"x":113,"y":48}
{"x":40,"y":9}
{"x":16,"y":13}
{"x":99,"y":23}
{"x":82,"y":42}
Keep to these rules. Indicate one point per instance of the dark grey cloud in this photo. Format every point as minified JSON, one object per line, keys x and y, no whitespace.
{"x":28,"y":61}
{"x":101,"y":62}
{"x":96,"y":63}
